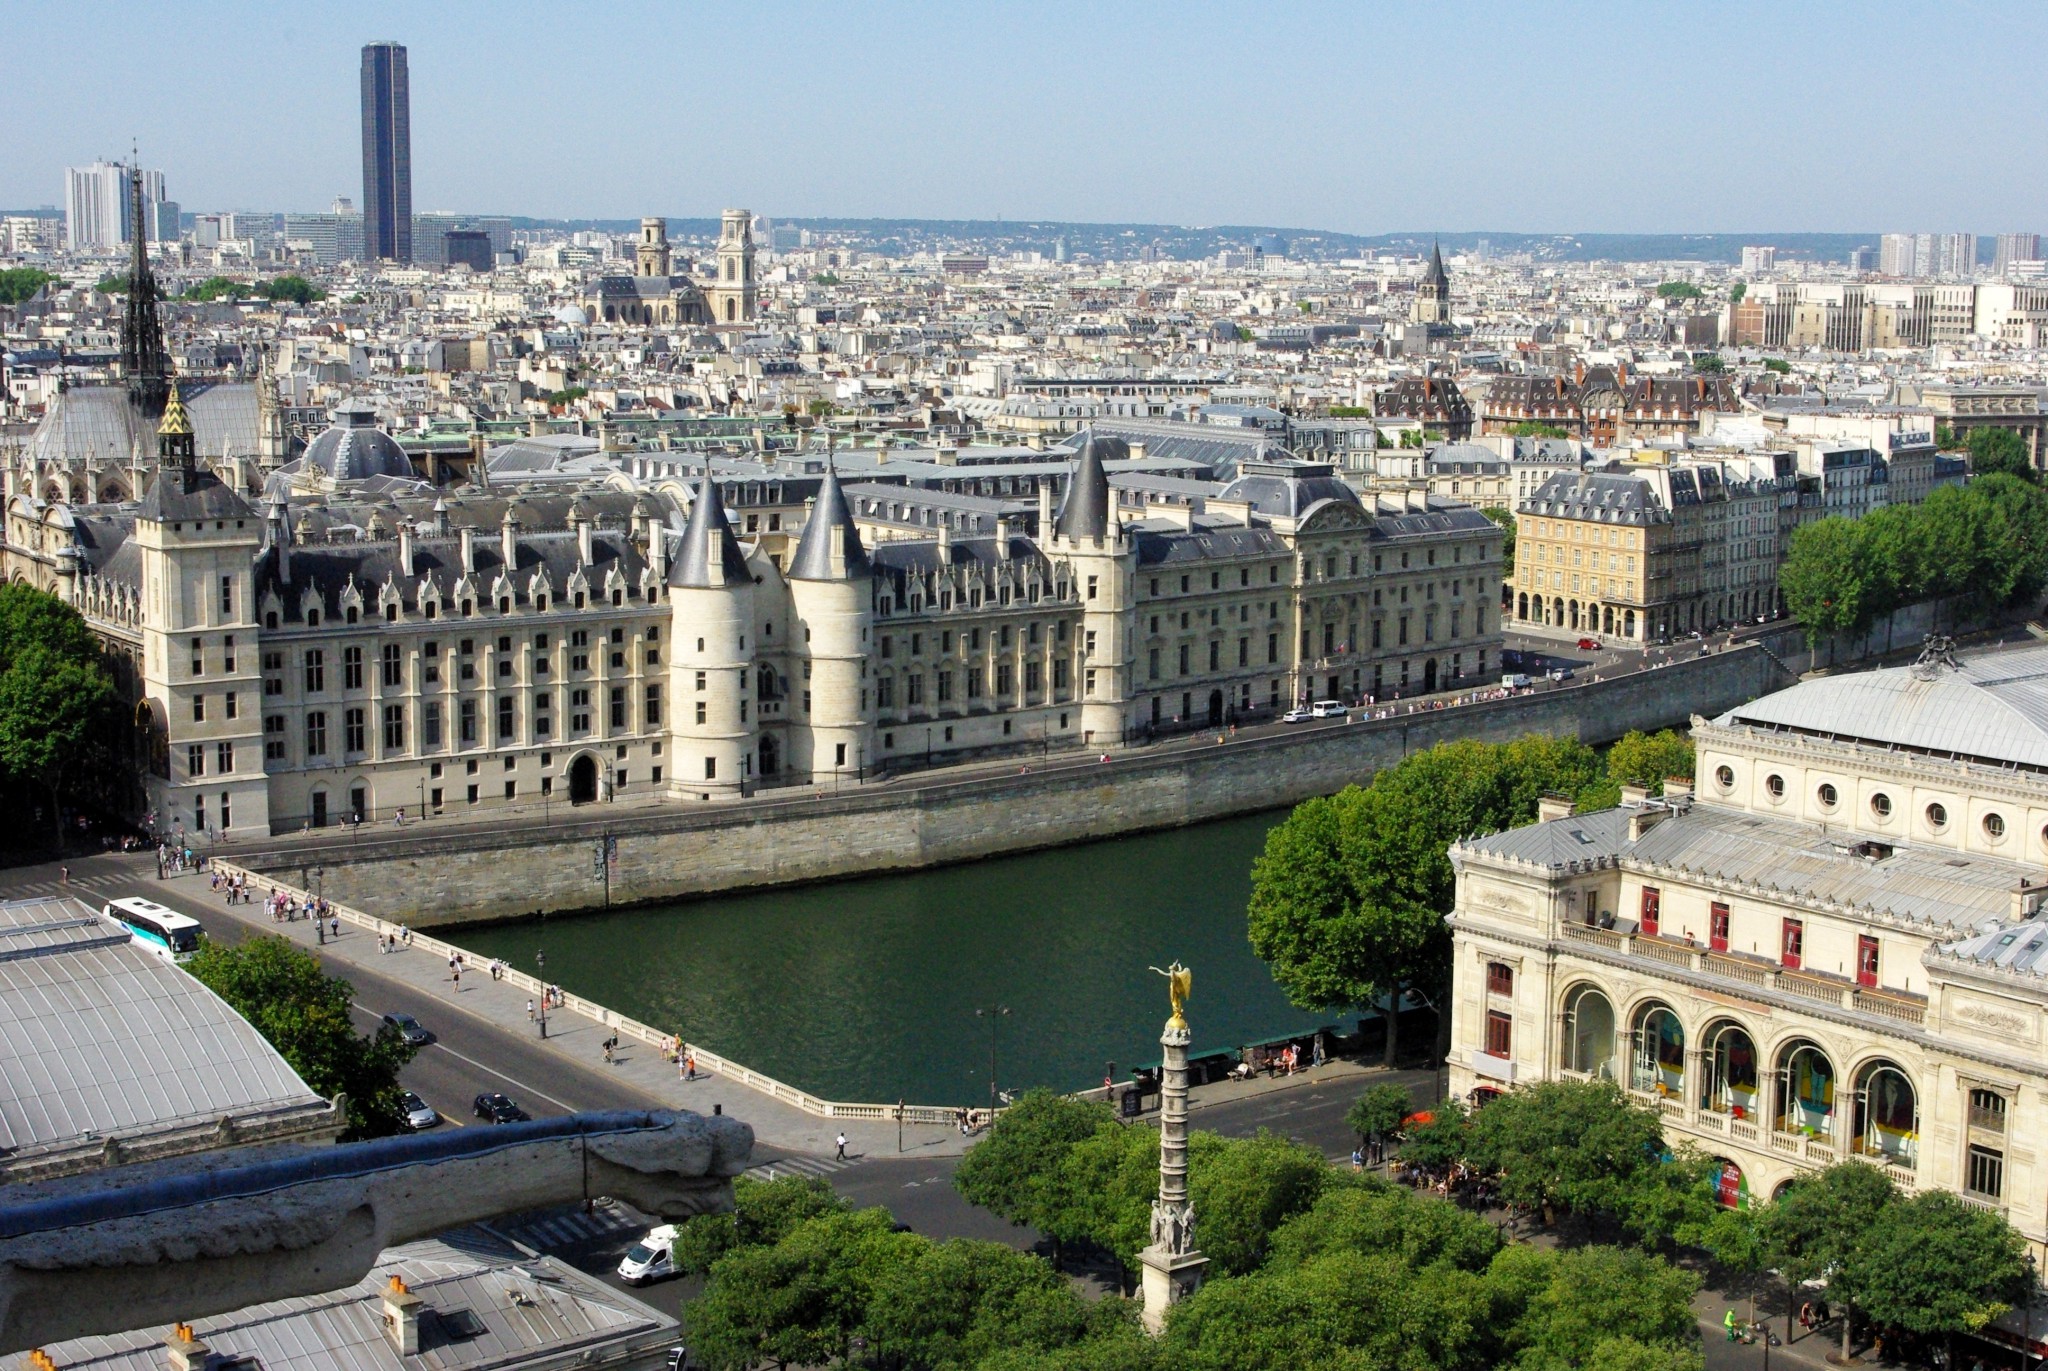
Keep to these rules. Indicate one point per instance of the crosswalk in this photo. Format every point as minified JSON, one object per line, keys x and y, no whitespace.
{"x":817,"y":1167}
{"x":550,"y":1230}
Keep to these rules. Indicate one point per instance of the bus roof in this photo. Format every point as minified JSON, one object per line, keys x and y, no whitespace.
{"x":137,"y":905}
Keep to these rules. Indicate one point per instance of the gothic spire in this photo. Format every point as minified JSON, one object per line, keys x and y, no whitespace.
{"x":144,"y":359}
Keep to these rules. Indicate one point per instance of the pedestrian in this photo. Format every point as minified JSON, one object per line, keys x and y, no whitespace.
{"x":690,"y":1065}
{"x":1357,"y":1159}
{"x":842,"y":1147}
{"x":457,"y":977}
{"x":529,"y":1010}
{"x":607,"y":1051}
{"x":334,"y":925}
{"x":1729,"y":1320}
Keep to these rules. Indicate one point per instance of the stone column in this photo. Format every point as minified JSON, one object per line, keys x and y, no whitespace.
{"x":1171,"y":1266}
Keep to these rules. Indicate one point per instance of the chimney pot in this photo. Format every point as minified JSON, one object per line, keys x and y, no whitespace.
{"x":402,"y":1311}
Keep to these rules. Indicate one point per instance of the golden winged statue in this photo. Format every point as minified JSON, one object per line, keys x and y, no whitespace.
{"x":1180,"y":983}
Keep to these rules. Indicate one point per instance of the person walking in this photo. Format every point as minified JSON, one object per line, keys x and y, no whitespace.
{"x":690,"y":1065}
{"x":529,"y":1010}
{"x":841,"y":1140}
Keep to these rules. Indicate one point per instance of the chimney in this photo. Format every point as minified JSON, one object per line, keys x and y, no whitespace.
{"x":508,"y":541}
{"x":479,"y":471}
{"x":1633,"y":796}
{"x":1550,"y":807}
{"x":1003,"y":537}
{"x":405,"y":547}
{"x":182,"y":1349}
{"x":945,"y":541}
{"x":1678,"y":787}
{"x":402,"y":1318}
{"x":537,"y":425}
{"x":657,"y":550}
{"x":586,"y":549}
{"x":1044,"y":507}
{"x":468,"y":550}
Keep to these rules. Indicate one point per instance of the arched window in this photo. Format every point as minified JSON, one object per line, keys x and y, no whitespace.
{"x":1658,"y":1061}
{"x":1887,"y":1114}
{"x":1806,"y":1091}
{"x":1589,"y":1032}
{"x":1731,"y":1084}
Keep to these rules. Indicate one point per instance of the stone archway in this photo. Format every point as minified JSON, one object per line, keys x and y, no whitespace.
{"x":583,"y":780}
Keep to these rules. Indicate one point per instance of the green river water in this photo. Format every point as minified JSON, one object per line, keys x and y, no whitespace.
{"x":866,"y":989}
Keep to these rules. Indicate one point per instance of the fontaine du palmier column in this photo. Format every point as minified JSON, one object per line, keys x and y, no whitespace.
{"x":1172,"y":1267}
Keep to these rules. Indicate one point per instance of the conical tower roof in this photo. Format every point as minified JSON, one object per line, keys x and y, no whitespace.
{"x":710,"y":554}
{"x":814,"y":560}
{"x":1086,"y":511}
{"x":176,"y":423}
{"x":1436,"y":275}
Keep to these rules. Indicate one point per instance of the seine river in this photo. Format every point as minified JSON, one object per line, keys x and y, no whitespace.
{"x":866,"y":990}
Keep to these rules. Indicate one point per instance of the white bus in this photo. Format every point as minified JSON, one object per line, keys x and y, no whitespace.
{"x":166,"y":932}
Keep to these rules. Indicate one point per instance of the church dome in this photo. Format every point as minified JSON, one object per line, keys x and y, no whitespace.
{"x":355,"y":449}
{"x":575,"y":316}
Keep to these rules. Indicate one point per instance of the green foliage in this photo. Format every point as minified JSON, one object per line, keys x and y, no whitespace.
{"x":58,"y":706}
{"x":1506,"y":519}
{"x":1375,"y":1216}
{"x":1709,"y":364}
{"x":1737,"y":291}
{"x":1935,"y":1266}
{"x":1644,"y":759}
{"x":1679,"y":290}
{"x":1244,"y":335}
{"x":1016,"y":1172}
{"x":1530,"y":428}
{"x":1945,"y":437}
{"x":1778,"y":365}
{"x":1244,"y":1188}
{"x":1598,"y":1306}
{"x":1379,"y":1111}
{"x":1999,"y":451}
{"x":1986,"y":543}
{"x":1441,"y":1141}
{"x":764,"y":1212}
{"x":1349,"y":896}
{"x":820,"y":409}
{"x":562,"y":399}
{"x":19,"y":283}
{"x":1571,"y":1145}
{"x":111,"y":284}
{"x":304,"y":1013}
{"x":294,"y":289}
{"x":1412,"y":437}
{"x":1350,"y":411}
{"x":825,"y":278}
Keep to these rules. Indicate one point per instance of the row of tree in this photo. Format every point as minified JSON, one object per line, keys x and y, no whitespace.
{"x":1582,"y":1152}
{"x":1309,"y":1267}
{"x":1349,"y":896}
{"x":1985,"y":545}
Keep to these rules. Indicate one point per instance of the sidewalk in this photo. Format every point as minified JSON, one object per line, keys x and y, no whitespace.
{"x":579,"y":1039}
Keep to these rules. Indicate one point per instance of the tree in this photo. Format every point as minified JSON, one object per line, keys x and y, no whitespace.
{"x":1530,"y":428}
{"x":1380,"y":1111}
{"x":1649,"y":759}
{"x":1440,"y":1140}
{"x":1709,"y":364}
{"x":1829,"y":582}
{"x":21,"y":283}
{"x":1679,"y":290}
{"x":1818,"y":1226}
{"x":1737,"y":291}
{"x":1778,"y":365}
{"x":1567,"y":1145}
{"x":1379,"y":1217}
{"x":111,"y":285}
{"x":304,"y":1013}
{"x":1506,"y":519}
{"x":1018,"y":1172}
{"x":295,"y":290}
{"x":1936,"y":1267}
{"x":1244,"y":1188}
{"x":1595,"y":1306}
{"x":1945,"y":437}
{"x":1349,"y":897}
{"x":800,"y":1300}
{"x":764,"y":1212}
{"x":54,"y":709}
{"x":825,"y":278}
{"x":1350,"y":412}
{"x":1999,"y":451}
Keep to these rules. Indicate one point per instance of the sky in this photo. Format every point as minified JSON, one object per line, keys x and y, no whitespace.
{"x":1637,"y":116}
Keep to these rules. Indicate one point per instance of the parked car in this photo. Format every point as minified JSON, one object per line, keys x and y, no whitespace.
{"x":650,"y":1259}
{"x":498,"y":1108}
{"x":1589,"y":644}
{"x":409,"y":1028}
{"x":418,"y":1113}
{"x":1297,"y":716}
{"x":1560,"y":673}
{"x":1515,"y":680}
{"x":1328,"y":709}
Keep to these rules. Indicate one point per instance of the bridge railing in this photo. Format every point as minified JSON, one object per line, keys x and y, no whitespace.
{"x":707,"y":1060}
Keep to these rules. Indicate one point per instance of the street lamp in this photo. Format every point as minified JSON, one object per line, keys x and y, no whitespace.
{"x":2027,"y":1320}
{"x":994,"y":1014}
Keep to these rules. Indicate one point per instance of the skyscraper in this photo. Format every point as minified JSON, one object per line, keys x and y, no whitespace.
{"x":97,"y":210}
{"x":2015,"y":247}
{"x":387,"y":153}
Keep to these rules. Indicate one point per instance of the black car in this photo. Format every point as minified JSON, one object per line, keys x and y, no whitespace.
{"x":498,"y":1108}
{"x":409,"y":1028}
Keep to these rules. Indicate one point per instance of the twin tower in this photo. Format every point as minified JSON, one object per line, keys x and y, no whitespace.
{"x":734,"y":296}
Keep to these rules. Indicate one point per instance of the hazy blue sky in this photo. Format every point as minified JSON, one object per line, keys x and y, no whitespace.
{"x":1630,"y":116}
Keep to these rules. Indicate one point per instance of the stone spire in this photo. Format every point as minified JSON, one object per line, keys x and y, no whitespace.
{"x":145,"y":362}
{"x":1172,"y":1266}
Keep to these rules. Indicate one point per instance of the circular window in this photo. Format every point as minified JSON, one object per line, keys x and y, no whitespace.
{"x":1724,"y":777}
{"x":1994,"y":826}
{"x":1881,"y":805}
{"x":1776,"y":786}
{"x":1829,"y":797}
{"x":1937,"y":816}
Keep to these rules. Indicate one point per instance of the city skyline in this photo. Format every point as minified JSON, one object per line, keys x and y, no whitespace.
{"x":1564,"y":122}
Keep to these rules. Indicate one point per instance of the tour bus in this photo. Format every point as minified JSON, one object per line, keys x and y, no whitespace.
{"x":166,"y":932}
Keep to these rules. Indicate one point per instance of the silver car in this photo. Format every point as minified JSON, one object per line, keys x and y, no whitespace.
{"x":418,"y":1113}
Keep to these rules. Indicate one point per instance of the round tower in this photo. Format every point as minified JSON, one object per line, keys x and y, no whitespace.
{"x":714,"y":712}
{"x":1090,"y":537}
{"x":831,"y":594}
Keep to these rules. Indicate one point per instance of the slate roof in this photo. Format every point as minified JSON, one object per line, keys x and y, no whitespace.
{"x":1288,"y":488}
{"x":99,"y":1037}
{"x":183,"y":494}
{"x":813,"y":560}
{"x":330,"y":567}
{"x":486,"y":1306}
{"x":1992,"y":708}
{"x":1087,"y":510}
{"x":1609,"y":497}
{"x":708,"y":538}
{"x":354,"y":448}
{"x":97,"y":424}
{"x":1558,"y":843}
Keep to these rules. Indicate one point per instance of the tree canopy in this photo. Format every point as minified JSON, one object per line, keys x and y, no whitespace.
{"x":1348,"y":897}
{"x":1679,"y":290}
{"x":1709,"y":364}
{"x":59,"y":711}
{"x":1506,"y":519}
{"x":1985,"y":543}
{"x":1778,"y":365}
{"x":1999,"y":451}
{"x":1737,"y":291}
{"x":293,"y":289}
{"x":304,"y":1013}
{"x":19,"y":283}
{"x":1530,"y":428}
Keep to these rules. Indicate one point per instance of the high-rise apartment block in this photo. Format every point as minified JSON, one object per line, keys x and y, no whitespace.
{"x":387,"y":153}
{"x":1759,"y":259}
{"x":1928,"y":254}
{"x":2015,"y":247}
{"x":96,"y":207}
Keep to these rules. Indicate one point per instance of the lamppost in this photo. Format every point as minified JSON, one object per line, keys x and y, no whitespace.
{"x":2027,"y":1319}
{"x":994,"y":1014}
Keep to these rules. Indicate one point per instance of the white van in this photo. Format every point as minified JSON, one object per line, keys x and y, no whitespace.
{"x":653,"y":1258}
{"x":1515,"y":681}
{"x":1328,"y":709}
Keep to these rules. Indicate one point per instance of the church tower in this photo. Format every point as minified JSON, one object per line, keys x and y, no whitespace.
{"x":1433,"y":293}
{"x":733,"y":295}
{"x":650,"y":255}
{"x":145,"y":362}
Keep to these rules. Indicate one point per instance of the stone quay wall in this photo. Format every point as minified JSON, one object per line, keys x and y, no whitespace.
{"x":427,"y":878}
